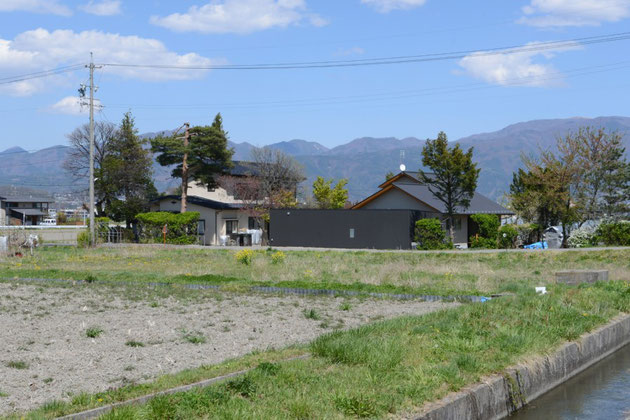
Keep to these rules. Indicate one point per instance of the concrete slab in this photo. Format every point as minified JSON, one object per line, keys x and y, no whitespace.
{"x":575,"y":277}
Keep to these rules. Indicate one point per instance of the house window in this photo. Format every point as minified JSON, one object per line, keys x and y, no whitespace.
{"x":201,"y":227}
{"x":231,"y":226}
{"x":252,"y":223}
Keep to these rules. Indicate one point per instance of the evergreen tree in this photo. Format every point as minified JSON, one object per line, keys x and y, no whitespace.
{"x":128,"y":171}
{"x":454,"y":176}
{"x":206,"y":155}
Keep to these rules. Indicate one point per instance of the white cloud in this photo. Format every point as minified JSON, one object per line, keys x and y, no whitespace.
{"x":550,"y":13}
{"x":350,"y":51}
{"x":239,"y":16}
{"x":386,"y":6}
{"x":102,"y":8}
{"x":512,"y":68}
{"x":40,"y":49}
{"x":72,"y":105}
{"x":35,"y":6}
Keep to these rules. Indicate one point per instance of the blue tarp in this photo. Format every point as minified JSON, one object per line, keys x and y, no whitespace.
{"x":537,"y":245}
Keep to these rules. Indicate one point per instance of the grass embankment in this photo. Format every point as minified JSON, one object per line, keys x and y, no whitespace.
{"x":437,"y":274}
{"x":386,"y":368}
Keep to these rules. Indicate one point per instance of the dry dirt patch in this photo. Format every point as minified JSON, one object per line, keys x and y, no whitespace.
{"x":45,"y":353}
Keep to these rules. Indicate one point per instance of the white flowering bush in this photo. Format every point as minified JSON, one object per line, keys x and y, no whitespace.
{"x":581,"y":237}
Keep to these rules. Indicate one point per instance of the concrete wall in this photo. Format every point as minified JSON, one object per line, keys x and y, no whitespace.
{"x":501,"y":395}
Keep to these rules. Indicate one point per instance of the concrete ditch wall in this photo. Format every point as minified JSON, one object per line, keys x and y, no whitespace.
{"x":499,"y":396}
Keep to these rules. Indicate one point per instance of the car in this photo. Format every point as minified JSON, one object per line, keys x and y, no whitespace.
{"x":48,"y":222}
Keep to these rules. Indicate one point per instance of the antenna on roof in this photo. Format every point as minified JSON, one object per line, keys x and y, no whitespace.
{"x":402,"y":158}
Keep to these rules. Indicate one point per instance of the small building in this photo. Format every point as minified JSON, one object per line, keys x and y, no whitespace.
{"x":222,"y":216}
{"x":28,"y":210}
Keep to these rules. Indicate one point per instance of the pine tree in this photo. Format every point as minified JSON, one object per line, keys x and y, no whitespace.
{"x":207,"y":154}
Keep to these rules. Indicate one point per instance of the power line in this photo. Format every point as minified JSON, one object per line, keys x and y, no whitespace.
{"x":39,"y":74}
{"x":392,"y":95}
{"x":515,"y":49}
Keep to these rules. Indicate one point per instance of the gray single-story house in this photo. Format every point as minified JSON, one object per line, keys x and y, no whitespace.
{"x":405,"y":192}
{"x":384,"y":220}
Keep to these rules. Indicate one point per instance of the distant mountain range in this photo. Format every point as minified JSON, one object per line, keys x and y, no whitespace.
{"x":364,"y":161}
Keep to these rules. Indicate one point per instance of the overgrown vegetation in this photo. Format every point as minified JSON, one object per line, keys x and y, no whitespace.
{"x":419,"y":273}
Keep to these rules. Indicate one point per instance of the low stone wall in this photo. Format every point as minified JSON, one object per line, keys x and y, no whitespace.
{"x":501,"y":395}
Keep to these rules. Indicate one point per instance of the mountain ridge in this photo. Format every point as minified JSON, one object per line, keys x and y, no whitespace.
{"x":364,"y":161}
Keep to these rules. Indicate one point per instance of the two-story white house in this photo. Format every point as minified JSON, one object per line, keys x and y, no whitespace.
{"x":222,"y":216}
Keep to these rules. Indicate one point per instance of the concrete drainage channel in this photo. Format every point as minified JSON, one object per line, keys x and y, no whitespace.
{"x":501,"y":395}
{"x":279,"y":290}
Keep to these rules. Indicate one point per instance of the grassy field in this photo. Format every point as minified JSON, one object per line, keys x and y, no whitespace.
{"x":440,"y":273}
{"x":388,"y":368}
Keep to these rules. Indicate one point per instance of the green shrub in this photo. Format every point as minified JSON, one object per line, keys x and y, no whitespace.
{"x":507,"y":236}
{"x":181,"y":227}
{"x":488,"y":225}
{"x":614,"y":233}
{"x":485,"y":243}
{"x":83,"y":239}
{"x":430,"y":235}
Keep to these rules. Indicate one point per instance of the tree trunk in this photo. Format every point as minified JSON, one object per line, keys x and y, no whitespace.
{"x":184,"y":196}
{"x":451,"y":228}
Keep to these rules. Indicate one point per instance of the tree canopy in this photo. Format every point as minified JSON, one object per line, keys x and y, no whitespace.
{"x":201,"y":156}
{"x":453,"y":176}
{"x":329,"y":197}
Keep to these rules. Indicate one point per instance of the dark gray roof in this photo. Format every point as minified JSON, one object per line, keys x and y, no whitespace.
{"x":29,"y":199}
{"x":478,"y":204}
{"x":203,"y":202}
{"x":29,"y":212}
{"x":244,"y":168}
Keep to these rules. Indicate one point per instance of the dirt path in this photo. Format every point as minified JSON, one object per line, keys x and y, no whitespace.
{"x":45,"y":353}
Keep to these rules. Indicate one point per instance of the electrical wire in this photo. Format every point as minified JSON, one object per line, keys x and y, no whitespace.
{"x":527,"y":48}
{"x":40,"y":74}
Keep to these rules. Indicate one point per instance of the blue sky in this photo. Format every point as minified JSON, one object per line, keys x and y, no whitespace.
{"x":463,"y":96}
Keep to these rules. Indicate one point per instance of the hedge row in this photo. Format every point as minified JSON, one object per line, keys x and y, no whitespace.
{"x":181,"y":228}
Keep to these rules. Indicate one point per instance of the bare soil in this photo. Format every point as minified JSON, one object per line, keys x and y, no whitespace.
{"x":45,"y":353}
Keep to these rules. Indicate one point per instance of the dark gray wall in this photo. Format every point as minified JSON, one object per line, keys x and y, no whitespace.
{"x":380,"y":229}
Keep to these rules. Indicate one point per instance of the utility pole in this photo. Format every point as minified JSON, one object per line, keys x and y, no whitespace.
{"x":91,"y":66}
{"x":184,"y":197}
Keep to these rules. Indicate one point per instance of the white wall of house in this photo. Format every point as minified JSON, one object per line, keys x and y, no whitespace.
{"x":217,"y":194}
{"x":396,"y":199}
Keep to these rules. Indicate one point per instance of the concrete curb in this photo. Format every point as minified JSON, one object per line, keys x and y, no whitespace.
{"x":99,"y":411}
{"x":501,"y":395}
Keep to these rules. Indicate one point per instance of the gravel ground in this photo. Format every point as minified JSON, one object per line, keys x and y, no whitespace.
{"x":45,"y":353}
